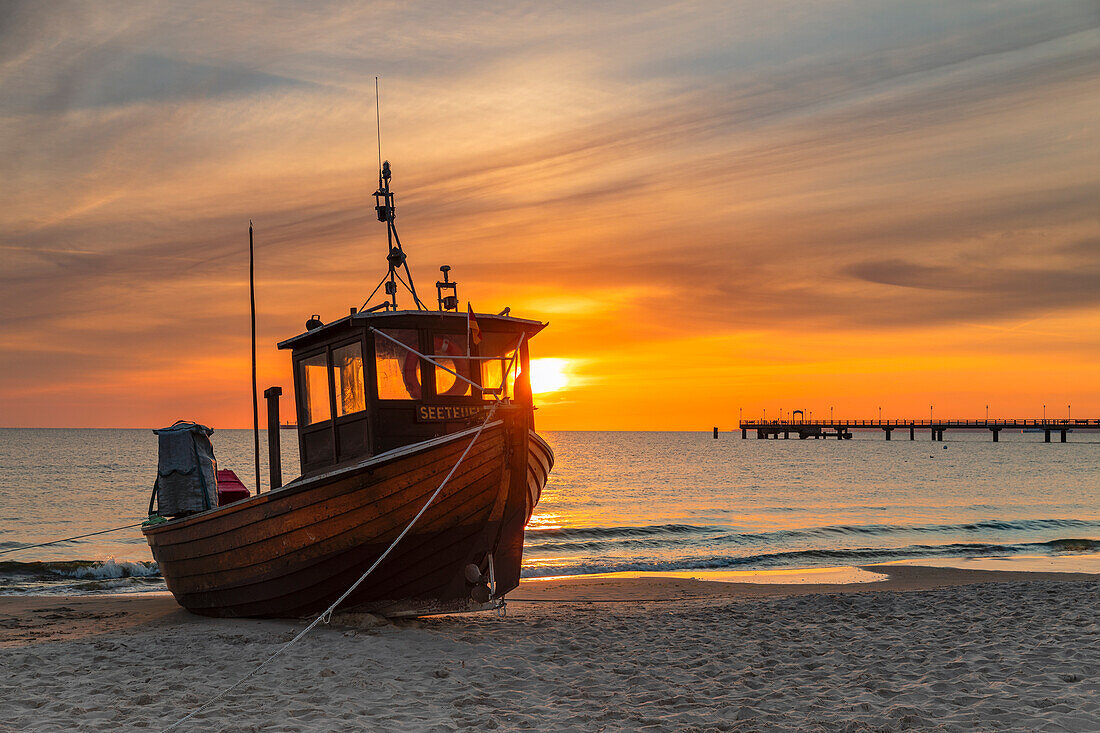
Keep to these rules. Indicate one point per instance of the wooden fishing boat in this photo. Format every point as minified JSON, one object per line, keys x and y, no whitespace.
{"x":391,"y":405}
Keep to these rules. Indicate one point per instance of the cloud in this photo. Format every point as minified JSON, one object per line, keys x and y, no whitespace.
{"x":848,"y":168}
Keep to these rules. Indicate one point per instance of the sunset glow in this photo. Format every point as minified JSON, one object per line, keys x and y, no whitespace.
{"x":735,"y":206}
{"x":548,"y":375}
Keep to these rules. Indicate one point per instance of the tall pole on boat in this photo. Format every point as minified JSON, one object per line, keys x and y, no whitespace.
{"x":255,"y":399}
{"x":378,"y":122}
{"x":383,"y":200}
{"x":384,"y":206}
{"x":395,"y":258}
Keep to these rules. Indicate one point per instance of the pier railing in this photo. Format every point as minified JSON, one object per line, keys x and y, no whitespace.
{"x":1051,"y":423}
{"x":842,"y":429}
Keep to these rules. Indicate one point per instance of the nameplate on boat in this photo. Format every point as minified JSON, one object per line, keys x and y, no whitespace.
{"x":447,"y":413}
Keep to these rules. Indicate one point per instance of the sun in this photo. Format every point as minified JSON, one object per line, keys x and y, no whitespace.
{"x":548,"y":375}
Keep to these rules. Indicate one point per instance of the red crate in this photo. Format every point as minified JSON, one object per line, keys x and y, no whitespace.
{"x":230,"y":488}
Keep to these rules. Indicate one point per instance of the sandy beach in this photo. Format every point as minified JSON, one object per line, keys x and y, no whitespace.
{"x":938,"y":649}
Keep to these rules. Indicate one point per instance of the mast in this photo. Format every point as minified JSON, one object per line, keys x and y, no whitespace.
{"x":395,"y":256}
{"x":255,"y":400}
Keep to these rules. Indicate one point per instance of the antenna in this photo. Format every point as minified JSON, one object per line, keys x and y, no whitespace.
{"x":387,"y":212}
{"x":378,"y":129}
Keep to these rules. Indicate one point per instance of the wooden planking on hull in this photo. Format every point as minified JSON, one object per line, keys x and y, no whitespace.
{"x":438,"y":578}
{"x":539,"y":464}
{"x":316,"y":558}
{"x":295,"y":497}
{"x":321,"y":583}
{"x":509,"y":547}
{"x":294,"y":554}
{"x":330,"y":535}
{"x":429,"y":567}
{"x":275,"y":538}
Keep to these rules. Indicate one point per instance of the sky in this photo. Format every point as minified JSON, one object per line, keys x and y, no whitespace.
{"x":720,"y":208}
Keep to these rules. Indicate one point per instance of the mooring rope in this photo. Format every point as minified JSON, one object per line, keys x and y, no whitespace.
{"x":69,"y":539}
{"x":326,"y":615}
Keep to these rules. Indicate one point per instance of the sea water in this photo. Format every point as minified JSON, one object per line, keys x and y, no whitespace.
{"x":644,"y":501}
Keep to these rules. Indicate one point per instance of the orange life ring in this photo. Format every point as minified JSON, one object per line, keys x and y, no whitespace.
{"x":412,"y":382}
{"x":412,"y":379}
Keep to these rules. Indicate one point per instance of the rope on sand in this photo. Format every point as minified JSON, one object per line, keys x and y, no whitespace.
{"x":611,"y":600}
{"x":326,"y":615}
{"x":69,"y":539}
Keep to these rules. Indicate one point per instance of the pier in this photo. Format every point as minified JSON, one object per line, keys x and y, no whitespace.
{"x":842,"y":429}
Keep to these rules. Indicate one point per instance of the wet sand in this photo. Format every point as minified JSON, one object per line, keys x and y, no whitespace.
{"x":939,"y":649}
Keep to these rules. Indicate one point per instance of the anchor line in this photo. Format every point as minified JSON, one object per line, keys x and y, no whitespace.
{"x":69,"y":539}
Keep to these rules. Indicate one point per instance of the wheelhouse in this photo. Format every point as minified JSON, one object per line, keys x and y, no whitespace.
{"x":361,"y":387}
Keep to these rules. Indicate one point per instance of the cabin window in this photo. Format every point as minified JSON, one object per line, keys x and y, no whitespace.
{"x":315,"y":389}
{"x":448,"y":348}
{"x":494,"y":370}
{"x":347,"y":377}
{"x":398,"y":368}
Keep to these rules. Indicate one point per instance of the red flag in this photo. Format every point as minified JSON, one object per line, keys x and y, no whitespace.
{"x":471,"y":325}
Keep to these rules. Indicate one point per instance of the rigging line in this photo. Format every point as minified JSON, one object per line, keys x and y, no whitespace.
{"x":384,"y":278}
{"x":69,"y":539}
{"x":398,"y":276}
{"x":428,"y":359}
{"x":326,"y":615}
{"x":410,"y":286}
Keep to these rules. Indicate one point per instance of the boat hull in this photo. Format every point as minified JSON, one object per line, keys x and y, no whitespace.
{"x":293,"y":551}
{"x":540,"y":461}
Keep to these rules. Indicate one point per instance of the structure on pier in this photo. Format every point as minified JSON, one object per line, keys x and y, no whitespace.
{"x":842,"y":429}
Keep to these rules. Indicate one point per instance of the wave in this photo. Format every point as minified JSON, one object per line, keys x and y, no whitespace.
{"x":811,"y":557}
{"x":97,"y":576}
{"x":81,"y":569}
{"x":78,"y":576}
{"x":989,"y":525}
{"x":568,"y":537}
{"x":1072,"y":545}
{"x":638,"y":531}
